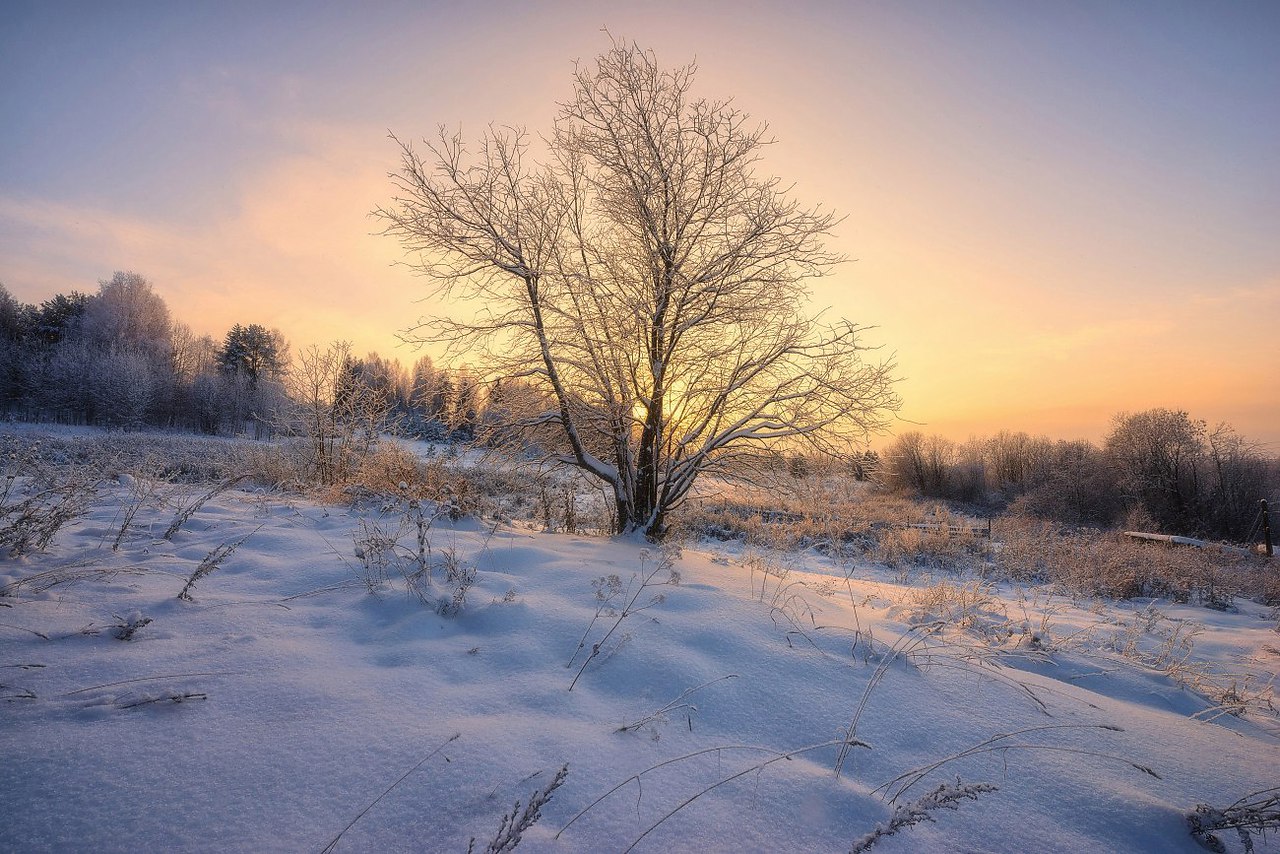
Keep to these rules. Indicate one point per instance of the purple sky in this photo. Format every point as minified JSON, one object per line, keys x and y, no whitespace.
{"x":1059,"y":210}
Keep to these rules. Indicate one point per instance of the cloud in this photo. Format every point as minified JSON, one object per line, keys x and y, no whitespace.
{"x":1257,"y":296}
{"x":298,"y":251}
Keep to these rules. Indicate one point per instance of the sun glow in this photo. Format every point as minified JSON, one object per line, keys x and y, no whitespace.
{"x":1054,"y":216}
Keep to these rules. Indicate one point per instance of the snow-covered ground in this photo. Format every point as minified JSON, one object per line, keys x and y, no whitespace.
{"x":286,"y":698}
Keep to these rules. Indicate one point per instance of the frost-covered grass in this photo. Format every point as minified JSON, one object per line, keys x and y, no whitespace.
{"x":299,"y":696}
{"x":853,"y":523}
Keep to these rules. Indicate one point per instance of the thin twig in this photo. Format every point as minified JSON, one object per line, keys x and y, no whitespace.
{"x":998,"y":743}
{"x":170,"y":698}
{"x":148,"y":679}
{"x":24,"y":629}
{"x":674,"y":704}
{"x":333,"y":844}
{"x":776,"y":757}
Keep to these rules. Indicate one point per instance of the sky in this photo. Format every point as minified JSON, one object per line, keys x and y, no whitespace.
{"x":1054,"y":211}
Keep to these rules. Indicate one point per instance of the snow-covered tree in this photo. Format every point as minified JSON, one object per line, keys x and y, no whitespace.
{"x":252,"y":351}
{"x":128,"y":313}
{"x":339,"y":416}
{"x":1158,"y":454}
{"x":11,"y":349}
{"x":252,"y":362}
{"x":647,"y":279}
{"x":123,"y":383}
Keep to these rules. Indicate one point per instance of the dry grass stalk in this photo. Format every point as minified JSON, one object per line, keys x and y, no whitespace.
{"x":755,"y":768}
{"x":512,"y":826}
{"x":333,"y":843}
{"x":191,"y":509}
{"x":1002,"y":743}
{"x":676,"y":705}
{"x":1257,"y":813}
{"x":631,"y":596}
{"x":946,"y":796}
{"x":211,"y":562}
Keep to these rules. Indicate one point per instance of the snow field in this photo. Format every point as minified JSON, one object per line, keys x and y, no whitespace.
{"x":306,"y":697}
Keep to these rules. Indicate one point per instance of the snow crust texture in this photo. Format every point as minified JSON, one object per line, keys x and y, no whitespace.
{"x":293,"y":690}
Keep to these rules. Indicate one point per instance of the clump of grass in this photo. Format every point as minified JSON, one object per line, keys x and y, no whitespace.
{"x":1151,"y":639}
{"x":1090,"y":562}
{"x":845,"y":520}
{"x":1257,"y":813}
{"x":460,"y":577}
{"x":956,"y":603}
{"x":193,"y":507}
{"x":645,"y":579}
{"x":1236,"y":696}
{"x":378,"y":547}
{"x":375,"y":548}
{"x":512,"y":826}
{"x":935,"y":545}
{"x":211,"y":562}
{"x":947,"y":796}
{"x":37,"y":499}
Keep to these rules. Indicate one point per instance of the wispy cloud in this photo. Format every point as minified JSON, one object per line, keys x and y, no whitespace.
{"x":1246,"y":297}
{"x":299,"y":251}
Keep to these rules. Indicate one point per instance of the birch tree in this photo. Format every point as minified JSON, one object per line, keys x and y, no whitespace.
{"x":646,"y":278}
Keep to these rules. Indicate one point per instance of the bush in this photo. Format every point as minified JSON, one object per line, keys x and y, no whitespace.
{"x":1106,"y":563}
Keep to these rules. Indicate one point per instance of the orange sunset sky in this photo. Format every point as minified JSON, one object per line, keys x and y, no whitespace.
{"x":1058,"y":211}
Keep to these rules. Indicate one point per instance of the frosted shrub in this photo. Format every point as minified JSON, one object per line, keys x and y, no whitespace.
{"x":611,"y":593}
{"x":404,"y":545}
{"x":388,"y":465}
{"x":1254,"y":813}
{"x":945,"y":797}
{"x":375,"y":549}
{"x":459,"y":577}
{"x":38,"y":498}
{"x":1106,"y":563}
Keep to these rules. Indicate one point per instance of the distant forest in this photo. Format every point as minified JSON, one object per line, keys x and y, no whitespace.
{"x":117,"y":359}
{"x":1156,"y":470}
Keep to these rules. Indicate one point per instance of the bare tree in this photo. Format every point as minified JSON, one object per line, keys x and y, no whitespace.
{"x":339,"y":417}
{"x":127,"y":312}
{"x":646,"y":279}
{"x":929,"y":465}
{"x":1159,"y":457}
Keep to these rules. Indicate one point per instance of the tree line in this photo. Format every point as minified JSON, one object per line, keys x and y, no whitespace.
{"x":1159,"y":469}
{"x":116,"y":358}
{"x":641,"y":315}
